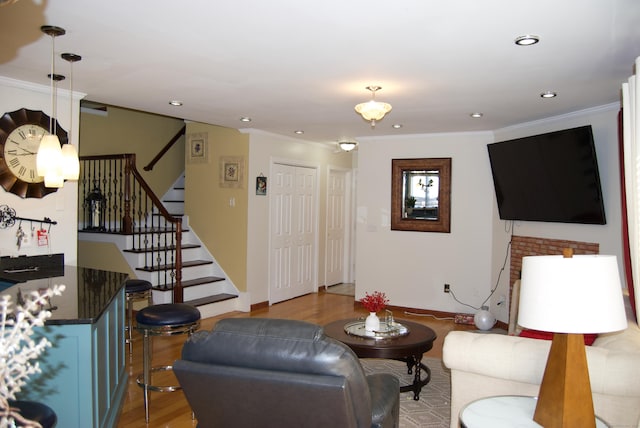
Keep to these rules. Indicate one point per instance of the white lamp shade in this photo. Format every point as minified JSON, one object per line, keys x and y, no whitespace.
{"x":70,"y":162}
{"x":579,"y":294}
{"x":54,"y":178}
{"x":49,"y":154}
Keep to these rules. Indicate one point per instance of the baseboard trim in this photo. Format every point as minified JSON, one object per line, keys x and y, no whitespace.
{"x":398,"y":310}
{"x":259,"y":305}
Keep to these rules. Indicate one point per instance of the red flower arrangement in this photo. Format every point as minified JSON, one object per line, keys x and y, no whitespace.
{"x":374,"y":302}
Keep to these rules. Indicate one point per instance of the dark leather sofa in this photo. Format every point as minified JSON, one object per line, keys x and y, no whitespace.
{"x":253,"y":372}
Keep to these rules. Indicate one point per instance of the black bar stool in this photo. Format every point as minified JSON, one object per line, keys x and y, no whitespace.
{"x":135,"y":290}
{"x":167,"y":319}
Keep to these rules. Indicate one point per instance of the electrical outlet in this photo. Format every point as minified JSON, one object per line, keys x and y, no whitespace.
{"x":447,"y":288}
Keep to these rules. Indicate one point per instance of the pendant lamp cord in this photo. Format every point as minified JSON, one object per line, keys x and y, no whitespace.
{"x":70,"y":102}
{"x":52,"y":129}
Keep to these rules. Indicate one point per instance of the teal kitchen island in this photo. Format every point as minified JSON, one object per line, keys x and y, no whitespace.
{"x":84,"y":378}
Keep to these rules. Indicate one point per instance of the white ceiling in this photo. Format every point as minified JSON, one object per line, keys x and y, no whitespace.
{"x":301,"y":65}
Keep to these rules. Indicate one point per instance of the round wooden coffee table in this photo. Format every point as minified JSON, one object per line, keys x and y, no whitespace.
{"x":408,"y":348}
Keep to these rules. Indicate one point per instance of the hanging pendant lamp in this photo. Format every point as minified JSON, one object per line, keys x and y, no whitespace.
{"x":49,"y":157}
{"x":373,"y":110}
{"x":70,"y":161}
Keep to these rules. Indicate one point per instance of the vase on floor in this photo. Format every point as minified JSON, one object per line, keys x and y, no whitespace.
{"x":372,"y":323}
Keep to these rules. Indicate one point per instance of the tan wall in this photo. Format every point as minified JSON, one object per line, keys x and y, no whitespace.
{"x":221,"y":227}
{"x":101,"y":255}
{"x":129,"y":131}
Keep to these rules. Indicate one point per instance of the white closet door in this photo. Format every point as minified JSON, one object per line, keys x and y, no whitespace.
{"x":293,"y":229}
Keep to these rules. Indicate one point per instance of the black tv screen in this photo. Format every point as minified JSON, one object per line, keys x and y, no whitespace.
{"x":549,"y":177}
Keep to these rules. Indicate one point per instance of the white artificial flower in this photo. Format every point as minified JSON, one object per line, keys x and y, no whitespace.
{"x":18,"y":349}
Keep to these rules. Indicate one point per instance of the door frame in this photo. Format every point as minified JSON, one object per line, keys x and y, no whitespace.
{"x":316,"y":197}
{"x":349,"y":238}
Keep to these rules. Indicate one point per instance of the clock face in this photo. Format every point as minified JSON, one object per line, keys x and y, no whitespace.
{"x":20,"y":135}
{"x":20,"y":151}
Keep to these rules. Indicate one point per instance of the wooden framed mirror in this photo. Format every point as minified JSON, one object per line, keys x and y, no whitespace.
{"x":421,"y":194}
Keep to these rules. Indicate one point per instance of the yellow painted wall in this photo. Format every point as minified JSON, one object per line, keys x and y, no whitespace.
{"x":221,"y":227}
{"x":103,"y":255}
{"x":130,"y":131}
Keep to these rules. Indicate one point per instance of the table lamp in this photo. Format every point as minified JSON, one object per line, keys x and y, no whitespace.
{"x":569,"y":296}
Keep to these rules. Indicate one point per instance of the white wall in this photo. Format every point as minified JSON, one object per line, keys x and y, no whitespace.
{"x":604,"y":122}
{"x":60,"y":206}
{"x":265,"y":148}
{"x":412,"y":267}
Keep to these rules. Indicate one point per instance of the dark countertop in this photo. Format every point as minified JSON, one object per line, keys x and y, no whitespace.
{"x":88,"y":293}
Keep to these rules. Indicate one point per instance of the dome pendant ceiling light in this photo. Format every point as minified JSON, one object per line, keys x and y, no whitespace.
{"x":373,"y":110}
{"x":347,"y":145}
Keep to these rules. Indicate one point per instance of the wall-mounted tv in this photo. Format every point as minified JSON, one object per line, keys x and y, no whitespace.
{"x":550,"y":177}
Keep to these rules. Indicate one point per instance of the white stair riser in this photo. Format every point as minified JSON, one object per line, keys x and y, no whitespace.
{"x":146,"y":259}
{"x":209,"y":289}
{"x":174,"y":207}
{"x":174,"y":195}
{"x":206,"y":311}
{"x":187,"y":274}
{"x":219,"y":308}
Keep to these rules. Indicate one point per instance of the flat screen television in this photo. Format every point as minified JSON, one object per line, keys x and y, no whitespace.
{"x":550,"y":177}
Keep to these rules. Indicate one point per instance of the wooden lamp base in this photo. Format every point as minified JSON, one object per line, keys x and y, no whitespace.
{"x":565,"y":399}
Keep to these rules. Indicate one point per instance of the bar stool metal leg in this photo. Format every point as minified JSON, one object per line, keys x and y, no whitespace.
{"x":162,"y":320}
{"x":146,"y":371}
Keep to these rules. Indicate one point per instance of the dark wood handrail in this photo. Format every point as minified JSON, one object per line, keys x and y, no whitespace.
{"x":127,"y":222}
{"x":178,"y":294}
{"x":150,"y":194}
{"x":165,"y":149}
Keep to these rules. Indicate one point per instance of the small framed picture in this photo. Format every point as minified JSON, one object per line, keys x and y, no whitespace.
{"x":197,"y":148}
{"x":261,"y":185}
{"x":231,"y":171}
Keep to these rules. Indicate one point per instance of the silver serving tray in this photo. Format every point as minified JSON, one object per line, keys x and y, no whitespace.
{"x":386,"y":331}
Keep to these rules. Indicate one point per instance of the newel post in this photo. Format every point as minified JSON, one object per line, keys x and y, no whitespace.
{"x":127,"y":222}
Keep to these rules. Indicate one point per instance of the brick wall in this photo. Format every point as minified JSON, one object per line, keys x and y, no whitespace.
{"x":527,"y":246}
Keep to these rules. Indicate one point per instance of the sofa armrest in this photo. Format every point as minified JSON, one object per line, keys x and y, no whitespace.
{"x":496,"y":355}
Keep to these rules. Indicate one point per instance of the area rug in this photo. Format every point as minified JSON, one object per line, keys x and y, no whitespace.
{"x":433,"y":408}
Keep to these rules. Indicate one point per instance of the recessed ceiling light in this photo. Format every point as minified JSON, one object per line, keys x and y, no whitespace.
{"x":245,"y":119}
{"x":527,"y":40}
{"x":548,"y":94}
{"x":175,"y":103}
{"x":299,"y":132}
{"x":476,"y":114}
{"x":397,"y":126}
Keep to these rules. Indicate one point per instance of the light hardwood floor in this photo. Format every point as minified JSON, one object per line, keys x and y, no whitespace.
{"x":171,"y":410}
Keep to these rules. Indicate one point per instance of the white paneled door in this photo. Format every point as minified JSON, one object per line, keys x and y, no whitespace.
{"x":293,"y":232}
{"x":336,"y":231}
